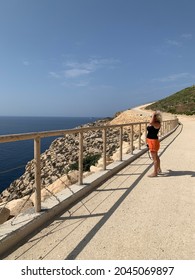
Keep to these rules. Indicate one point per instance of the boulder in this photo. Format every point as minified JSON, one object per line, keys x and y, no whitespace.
{"x":17,"y":206}
{"x":4,"y":214}
{"x":57,"y":186}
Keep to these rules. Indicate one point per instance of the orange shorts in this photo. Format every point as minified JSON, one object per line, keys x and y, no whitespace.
{"x":153,"y":145}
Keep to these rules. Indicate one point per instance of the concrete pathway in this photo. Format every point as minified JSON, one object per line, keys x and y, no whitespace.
{"x":131,"y":216}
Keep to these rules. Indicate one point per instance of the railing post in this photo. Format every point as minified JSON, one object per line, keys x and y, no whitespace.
{"x":166,"y":130}
{"x":162,"y":129}
{"x":121,"y":144}
{"x":146,"y":133}
{"x":80,"y":158}
{"x":104,"y":149}
{"x":139,"y":136}
{"x":132,"y":139}
{"x":37,"y":152}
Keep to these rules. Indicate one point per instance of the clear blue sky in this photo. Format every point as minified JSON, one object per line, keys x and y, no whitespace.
{"x":93,"y":57}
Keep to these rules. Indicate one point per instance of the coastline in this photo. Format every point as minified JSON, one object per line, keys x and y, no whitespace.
{"x":52,"y":177}
{"x":23,"y":186}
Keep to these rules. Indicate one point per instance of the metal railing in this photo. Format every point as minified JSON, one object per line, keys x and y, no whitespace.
{"x":167,"y":127}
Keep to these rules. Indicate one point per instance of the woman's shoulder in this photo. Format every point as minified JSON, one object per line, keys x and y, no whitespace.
{"x":156,"y":125}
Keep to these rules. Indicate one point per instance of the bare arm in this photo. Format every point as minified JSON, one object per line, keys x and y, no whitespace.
{"x":154,"y":122}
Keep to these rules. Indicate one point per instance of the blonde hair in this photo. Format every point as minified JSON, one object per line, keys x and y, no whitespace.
{"x":158,"y":116}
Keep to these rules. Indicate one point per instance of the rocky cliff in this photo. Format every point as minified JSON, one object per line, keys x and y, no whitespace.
{"x":56,"y":161}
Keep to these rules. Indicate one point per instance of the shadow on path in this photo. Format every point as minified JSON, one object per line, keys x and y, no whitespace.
{"x":104,"y":219}
{"x":177,"y":173}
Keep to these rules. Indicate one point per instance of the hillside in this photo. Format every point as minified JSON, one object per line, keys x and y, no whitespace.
{"x":181,"y":102}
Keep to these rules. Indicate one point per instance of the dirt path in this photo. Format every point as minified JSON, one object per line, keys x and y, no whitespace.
{"x":130,"y":216}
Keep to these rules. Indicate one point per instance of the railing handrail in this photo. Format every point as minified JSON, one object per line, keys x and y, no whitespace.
{"x":44,"y":134}
{"x":167,"y":126}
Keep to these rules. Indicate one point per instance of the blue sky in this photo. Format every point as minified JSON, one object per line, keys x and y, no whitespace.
{"x":93,"y":57}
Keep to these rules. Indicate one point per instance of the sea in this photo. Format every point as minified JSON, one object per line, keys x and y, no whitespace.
{"x":15,"y":155}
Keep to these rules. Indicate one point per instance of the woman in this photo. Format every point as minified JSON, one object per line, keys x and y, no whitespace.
{"x":153,"y":142}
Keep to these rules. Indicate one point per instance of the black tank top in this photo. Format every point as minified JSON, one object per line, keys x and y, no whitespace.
{"x":152,"y":132}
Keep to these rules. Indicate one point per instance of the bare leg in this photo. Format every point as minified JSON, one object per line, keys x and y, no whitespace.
{"x":156,"y":162}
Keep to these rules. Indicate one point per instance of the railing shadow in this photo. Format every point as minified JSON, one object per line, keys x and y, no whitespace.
{"x":82,"y":244}
{"x":78,"y":220}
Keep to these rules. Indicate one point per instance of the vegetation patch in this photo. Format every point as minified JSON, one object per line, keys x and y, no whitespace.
{"x":88,"y":161}
{"x":181,"y":102}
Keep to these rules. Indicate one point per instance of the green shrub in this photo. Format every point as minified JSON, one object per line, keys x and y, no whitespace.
{"x":88,"y":161}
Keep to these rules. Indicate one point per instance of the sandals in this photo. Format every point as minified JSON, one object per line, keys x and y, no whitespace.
{"x":153,"y":175}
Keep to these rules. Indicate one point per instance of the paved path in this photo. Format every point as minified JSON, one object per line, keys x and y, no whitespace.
{"x":131,"y":216}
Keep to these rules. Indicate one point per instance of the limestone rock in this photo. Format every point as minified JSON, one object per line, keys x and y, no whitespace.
{"x":17,"y":206}
{"x":4,"y":214}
